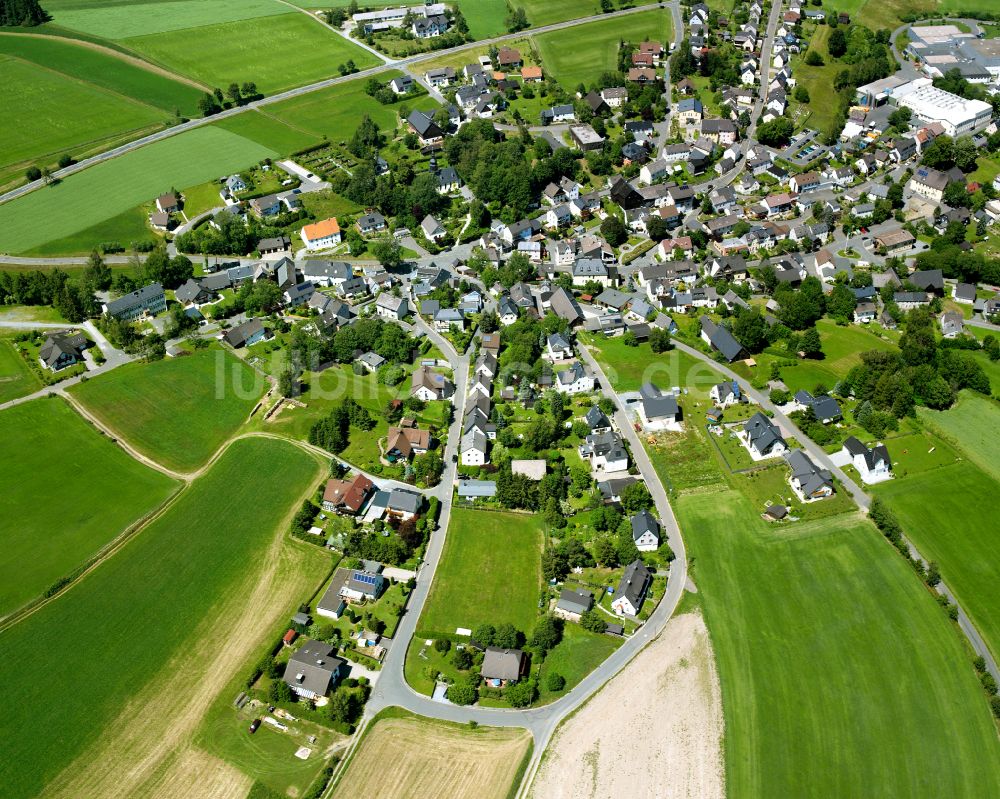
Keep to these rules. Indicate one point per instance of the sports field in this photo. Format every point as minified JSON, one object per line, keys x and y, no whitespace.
{"x":276,"y":53}
{"x":67,"y":492}
{"x":47,"y":113}
{"x":839,"y":672}
{"x":120,"y":185}
{"x":16,"y":379}
{"x":335,"y":112}
{"x":433,"y":758}
{"x":177,"y":411}
{"x":490,"y":571}
{"x":580,"y":54}
{"x":141,"y":623}
{"x":114,"y":19}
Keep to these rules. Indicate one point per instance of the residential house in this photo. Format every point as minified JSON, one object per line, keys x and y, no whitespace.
{"x":721,"y":339}
{"x":477,"y":489}
{"x":658,"y":411}
{"x":894,"y":240}
{"x":929,"y":183}
{"x":864,"y":313}
{"x":403,"y":443}
{"x":428,"y":131}
{"x":571,"y":605}
{"x":585,"y":137}
{"x":503,"y":666}
{"x":246,"y":334}
{"x":390,"y":307}
{"x":952,"y":324}
{"x":429,"y":385}
{"x":372,"y":222}
{"x":726,"y":394}
{"x":321,"y":235}
{"x":574,"y":380}
{"x":147,"y":301}
{"x":62,"y":349}
{"x":645,"y":531}
{"x":762,"y":438}
{"x":366,"y":583}
{"x":808,"y":481}
{"x":605,"y":452}
{"x":908,"y":300}
{"x":824,"y":407}
{"x":433,"y":230}
{"x":347,"y":496}
{"x":615,"y":96}
{"x":632,"y":589}
{"x":557,"y":348}
{"x":312,"y":670}
{"x":473,"y":448}
{"x":371,"y":361}
{"x":873,"y":464}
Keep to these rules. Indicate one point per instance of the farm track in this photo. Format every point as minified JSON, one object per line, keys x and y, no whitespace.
{"x":148,"y":750}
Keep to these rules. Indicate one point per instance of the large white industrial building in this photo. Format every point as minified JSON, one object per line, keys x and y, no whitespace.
{"x":958,"y":116}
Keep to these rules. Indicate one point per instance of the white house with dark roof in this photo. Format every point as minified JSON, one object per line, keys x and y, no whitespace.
{"x":605,"y":452}
{"x":808,"y":481}
{"x":574,"y":380}
{"x":762,"y":438}
{"x":645,"y":531}
{"x":632,"y":589}
{"x":657,"y":410}
{"x":873,"y":463}
{"x":389,"y":307}
{"x":313,"y":670}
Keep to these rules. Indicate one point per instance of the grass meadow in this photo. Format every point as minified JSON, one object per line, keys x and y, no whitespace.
{"x":277,"y":53}
{"x":839,"y":672}
{"x":335,"y":112}
{"x":116,"y":20}
{"x":117,"y":630}
{"x":48,"y":113}
{"x":490,"y":571}
{"x":67,"y":492}
{"x":16,"y":378}
{"x":574,"y":657}
{"x":628,"y":367}
{"x":96,"y":195}
{"x":104,"y":69}
{"x":172,"y":410}
{"x":972,"y":424}
{"x":578,"y":55}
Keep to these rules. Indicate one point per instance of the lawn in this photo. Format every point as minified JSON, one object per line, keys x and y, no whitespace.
{"x":254,"y":49}
{"x":807,"y":375}
{"x":177,"y":411}
{"x":490,"y":571}
{"x":971,"y":423}
{"x":838,"y":670}
{"x":336,"y":111}
{"x":580,"y":54}
{"x":116,"y":631}
{"x":119,"y":186}
{"x":16,"y":377}
{"x":948,"y":516}
{"x":578,"y":654}
{"x":113,"y":19}
{"x":629,"y":367}
{"x":47,"y":533}
{"x":49,"y":113}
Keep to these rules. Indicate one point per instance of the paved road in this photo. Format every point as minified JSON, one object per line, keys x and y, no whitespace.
{"x":405,"y":63}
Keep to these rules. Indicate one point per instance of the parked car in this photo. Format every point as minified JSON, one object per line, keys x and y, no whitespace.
{"x":254,"y":725}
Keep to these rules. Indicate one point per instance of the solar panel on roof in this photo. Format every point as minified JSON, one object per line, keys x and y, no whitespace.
{"x":367,"y":579}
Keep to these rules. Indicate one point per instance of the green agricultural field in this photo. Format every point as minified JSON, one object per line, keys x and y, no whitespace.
{"x":580,"y":54}
{"x":490,"y":571}
{"x":177,"y":411}
{"x":115,"y":187}
{"x":972,"y":423}
{"x":839,"y":672}
{"x":171,"y":580}
{"x":268,"y":132}
{"x":112,"y":19}
{"x":16,"y":378}
{"x":128,"y":229}
{"x":254,"y":49}
{"x":48,"y":113}
{"x":101,"y":491}
{"x":948,"y":516}
{"x":336,"y":111}
{"x":105,"y":69}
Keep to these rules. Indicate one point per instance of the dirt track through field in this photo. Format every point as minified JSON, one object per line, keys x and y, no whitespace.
{"x":146,"y":751}
{"x":412,"y":757}
{"x":655,"y":730}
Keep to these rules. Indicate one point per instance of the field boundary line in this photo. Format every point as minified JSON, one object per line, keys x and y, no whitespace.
{"x":135,"y":60}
